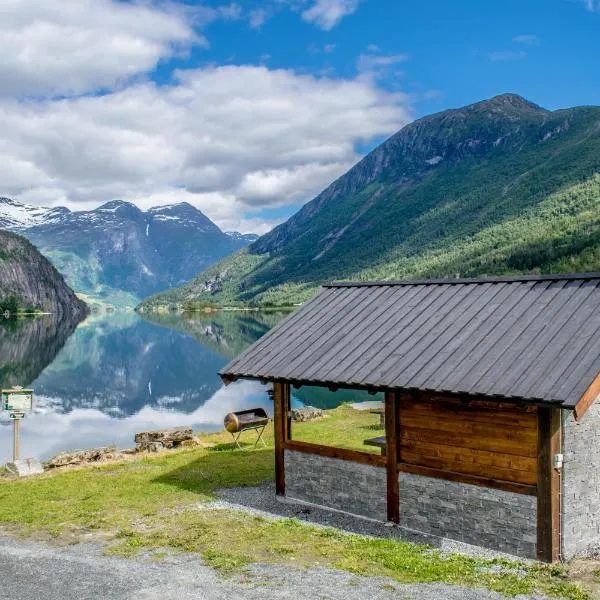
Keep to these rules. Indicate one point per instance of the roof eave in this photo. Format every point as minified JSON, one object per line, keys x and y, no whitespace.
{"x":230,"y":377}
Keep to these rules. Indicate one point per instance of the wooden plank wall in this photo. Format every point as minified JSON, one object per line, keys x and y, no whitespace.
{"x":478,"y":438}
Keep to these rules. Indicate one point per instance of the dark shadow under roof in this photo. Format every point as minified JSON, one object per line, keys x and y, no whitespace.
{"x":531,"y":338}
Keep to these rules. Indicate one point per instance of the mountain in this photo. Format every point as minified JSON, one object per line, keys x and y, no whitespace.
{"x":117,"y":253}
{"x":28,"y":346}
{"x":501,"y":186}
{"x":29,"y":282}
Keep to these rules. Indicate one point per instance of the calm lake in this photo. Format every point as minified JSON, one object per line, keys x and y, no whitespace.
{"x":113,"y":375}
{"x":100,"y":382}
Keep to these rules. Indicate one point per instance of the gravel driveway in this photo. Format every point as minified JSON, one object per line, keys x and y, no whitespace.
{"x":34,"y":571}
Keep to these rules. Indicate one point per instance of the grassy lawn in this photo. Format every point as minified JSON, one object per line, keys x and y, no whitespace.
{"x":162,"y":502}
{"x":343,"y":427}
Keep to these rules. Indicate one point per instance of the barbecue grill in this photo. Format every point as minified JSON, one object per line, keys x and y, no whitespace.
{"x":245,"y":420}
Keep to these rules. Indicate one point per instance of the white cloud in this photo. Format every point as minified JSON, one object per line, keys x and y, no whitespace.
{"x":230,"y":12}
{"x":74,"y":46}
{"x":525,"y":39}
{"x":326,"y":14}
{"x":258,"y":17}
{"x":507,"y":55}
{"x":378,"y":65}
{"x":231,"y":140}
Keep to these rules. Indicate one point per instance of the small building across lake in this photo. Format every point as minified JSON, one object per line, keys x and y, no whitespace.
{"x":492,"y":433}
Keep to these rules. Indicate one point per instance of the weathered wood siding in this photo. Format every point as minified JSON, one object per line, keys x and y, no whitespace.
{"x":480,"y":438}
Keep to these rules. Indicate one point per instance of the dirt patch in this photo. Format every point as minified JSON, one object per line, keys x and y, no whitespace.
{"x":587,"y":573}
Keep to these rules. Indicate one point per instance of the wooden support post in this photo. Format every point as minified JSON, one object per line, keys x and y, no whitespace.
{"x":280,"y":423}
{"x":391,"y":442}
{"x":287,"y":407}
{"x":548,"y":484}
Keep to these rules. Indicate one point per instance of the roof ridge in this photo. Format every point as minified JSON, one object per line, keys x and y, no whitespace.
{"x":468,"y":280}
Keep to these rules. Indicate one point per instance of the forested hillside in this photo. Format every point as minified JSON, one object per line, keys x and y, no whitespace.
{"x":501,"y":186}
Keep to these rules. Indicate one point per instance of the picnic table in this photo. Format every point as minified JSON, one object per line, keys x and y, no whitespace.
{"x":378,"y":442}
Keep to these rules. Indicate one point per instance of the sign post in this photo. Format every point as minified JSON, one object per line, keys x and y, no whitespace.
{"x":18,"y":402}
{"x":16,"y":440}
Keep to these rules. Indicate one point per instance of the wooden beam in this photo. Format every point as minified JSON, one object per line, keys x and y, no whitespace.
{"x":227,"y":379}
{"x":392,"y":434}
{"x":588,"y":398}
{"x":548,"y":486}
{"x":365,"y":458}
{"x":280,"y":426}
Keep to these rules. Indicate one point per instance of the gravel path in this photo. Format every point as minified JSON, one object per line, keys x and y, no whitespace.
{"x":33,"y":571}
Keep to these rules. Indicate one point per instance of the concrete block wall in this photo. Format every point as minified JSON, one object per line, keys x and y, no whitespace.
{"x":494,"y":519}
{"x":580,"y":485}
{"x":341,"y":484}
{"x":486,"y":517}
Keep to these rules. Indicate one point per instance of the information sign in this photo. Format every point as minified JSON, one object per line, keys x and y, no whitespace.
{"x":17,"y":400}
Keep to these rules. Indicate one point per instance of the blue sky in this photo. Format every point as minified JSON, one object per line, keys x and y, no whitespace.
{"x":248,"y":109}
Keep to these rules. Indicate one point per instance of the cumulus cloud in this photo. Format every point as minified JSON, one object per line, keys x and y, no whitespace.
{"x":82,"y":122}
{"x":74,"y":46}
{"x":232,"y":140}
{"x":326,"y":14}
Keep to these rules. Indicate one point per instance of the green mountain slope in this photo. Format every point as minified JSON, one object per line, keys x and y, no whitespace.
{"x":501,"y":186}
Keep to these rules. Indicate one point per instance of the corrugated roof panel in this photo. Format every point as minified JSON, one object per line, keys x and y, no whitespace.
{"x":457,"y":337}
{"x":507,"y":349}
{"x":547,"y":346}
{"x":413,"y":315}
{"x":341,"y":329}
{"x":536,"y":338}
{"x":483,"y":346}
{"x":474,"y":345}
{"x":355,"y":327}
{"x":446,"y":325}
{"x":377,"y":321}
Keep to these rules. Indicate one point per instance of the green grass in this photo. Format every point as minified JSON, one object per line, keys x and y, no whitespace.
{"x":160,"y":504}
{"x":343,"y":427}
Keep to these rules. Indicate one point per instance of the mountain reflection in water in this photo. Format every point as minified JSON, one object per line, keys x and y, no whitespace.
{"x":116,"y":374}
{"x":113,"y":375}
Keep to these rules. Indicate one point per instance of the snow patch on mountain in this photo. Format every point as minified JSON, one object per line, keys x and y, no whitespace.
{"x":14,"y":215}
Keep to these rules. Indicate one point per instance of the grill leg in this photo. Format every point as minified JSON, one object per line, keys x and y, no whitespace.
{"x":236,"y":439}
{"x":260,"y":438}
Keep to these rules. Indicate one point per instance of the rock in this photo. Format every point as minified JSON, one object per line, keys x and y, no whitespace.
{"x":152,"y":447}
{"x":188,"y":444}
{"x":24,"y":467}
{"x":167,"y":438}
{"x":306,"y":414}
{"x":82,"y":457}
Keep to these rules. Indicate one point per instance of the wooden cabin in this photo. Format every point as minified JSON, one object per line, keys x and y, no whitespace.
{"x":492,"y":434}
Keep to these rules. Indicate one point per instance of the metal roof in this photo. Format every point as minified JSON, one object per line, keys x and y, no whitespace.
{"x":531,"y":338}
